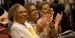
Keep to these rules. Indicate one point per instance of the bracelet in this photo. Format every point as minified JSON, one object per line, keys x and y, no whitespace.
{"x":52,"y":26}
{"x":59,"y":23}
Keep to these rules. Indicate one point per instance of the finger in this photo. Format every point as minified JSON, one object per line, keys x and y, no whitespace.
{"x":46,"y":20}
{"x":61,"y":13}
{"x":42,"y":23}
{"x":58,"y":14}
{"x":51,"y":9}
{"x":50,"y":19}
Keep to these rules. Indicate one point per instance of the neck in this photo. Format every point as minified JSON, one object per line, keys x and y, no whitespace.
{"x":32,"y":20}
{"x":23,"y":23}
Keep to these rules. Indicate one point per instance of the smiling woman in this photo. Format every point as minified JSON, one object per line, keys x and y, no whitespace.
{"x":17,"y":12}
{"x":20,"y":28}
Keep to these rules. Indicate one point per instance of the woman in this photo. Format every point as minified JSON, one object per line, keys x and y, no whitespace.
{"x":33,"y":14}
{"x":45,"y":9}
{"x":22,"y":29}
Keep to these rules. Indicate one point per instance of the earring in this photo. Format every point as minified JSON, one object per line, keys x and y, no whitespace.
{"x":14,"y":20}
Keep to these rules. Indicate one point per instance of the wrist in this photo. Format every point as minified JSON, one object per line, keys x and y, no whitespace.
{"x":38,"y":29}
{"x":52,"y":26}
{"x":56,"y":23}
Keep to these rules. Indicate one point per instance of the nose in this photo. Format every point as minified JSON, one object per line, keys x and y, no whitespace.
{"x":36,"y":11}
{"x":49,"y":9}
{"x":24,"y":14}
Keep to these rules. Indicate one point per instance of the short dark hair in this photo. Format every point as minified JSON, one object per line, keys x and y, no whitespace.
{"x":41,"y":4}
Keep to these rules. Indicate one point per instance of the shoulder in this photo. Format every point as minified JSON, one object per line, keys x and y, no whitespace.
{"x":15,"y":26}
{"x":28,"y":24}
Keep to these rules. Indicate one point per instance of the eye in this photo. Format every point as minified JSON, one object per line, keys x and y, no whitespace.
{"x":44,"y":8}
{"x":33,"y":10}
{"x":26,"y":12}
{"x":21,"y":12}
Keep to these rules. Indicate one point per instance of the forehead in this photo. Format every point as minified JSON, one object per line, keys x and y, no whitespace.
{"x":45,"y":6}
{"x":20,"y":8}
{"x":32,"y":7}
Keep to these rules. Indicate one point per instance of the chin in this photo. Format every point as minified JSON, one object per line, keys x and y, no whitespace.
{"x":24,"y":21}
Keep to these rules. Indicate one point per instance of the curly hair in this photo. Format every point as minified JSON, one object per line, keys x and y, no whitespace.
{"x":27,"y":5}
{"x":12,"y":11}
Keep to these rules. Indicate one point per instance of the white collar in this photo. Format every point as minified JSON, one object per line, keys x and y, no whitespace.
{"x":27,"y":24}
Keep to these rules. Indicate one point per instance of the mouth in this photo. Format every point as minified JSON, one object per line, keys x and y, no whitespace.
{"x":4,"y":23}
{"x":24,"y":18}
{"x":37,"y":15}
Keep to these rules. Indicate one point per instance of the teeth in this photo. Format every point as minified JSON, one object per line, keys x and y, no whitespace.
{"x":3,"y":22}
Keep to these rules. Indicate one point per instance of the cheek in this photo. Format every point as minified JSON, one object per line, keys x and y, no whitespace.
{"x":44,"y":11}
{"x":32,"y":14}
{"x":18,"y":16}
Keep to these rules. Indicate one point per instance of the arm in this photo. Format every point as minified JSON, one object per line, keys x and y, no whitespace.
{"x":57,"y":27}
{"x":60,"y":29}
{"x":52,"y":32}
{"x":4,"y":17}
{"x":57,"y":21}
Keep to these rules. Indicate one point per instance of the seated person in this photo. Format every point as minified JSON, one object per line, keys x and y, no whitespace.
{"x":45,"y":9}
{"x":4,"y":20}
{"x":20,"y":27}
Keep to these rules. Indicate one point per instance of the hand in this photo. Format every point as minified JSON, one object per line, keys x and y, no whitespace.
{"x":58,"y":18}
{"x":51,"y":12}
{"x":42,"y":23}
{"x":4,"y":18}
{"x":46,"y":20}
{"x":61,"y":15}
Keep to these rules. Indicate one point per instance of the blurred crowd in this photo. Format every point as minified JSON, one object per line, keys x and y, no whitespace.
{"x":36,"y":18}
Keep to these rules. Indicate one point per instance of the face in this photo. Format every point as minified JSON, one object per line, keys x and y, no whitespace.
{"x":33,"y":12}
{"x":21,"y":14}
{"x":45,"y":8}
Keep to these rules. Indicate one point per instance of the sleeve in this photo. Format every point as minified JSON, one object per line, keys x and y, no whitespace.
{"x":16,"y":33}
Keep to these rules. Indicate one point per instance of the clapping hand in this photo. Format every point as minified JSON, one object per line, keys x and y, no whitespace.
{"x":58,"y":18}
{"x":45,"y":20}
